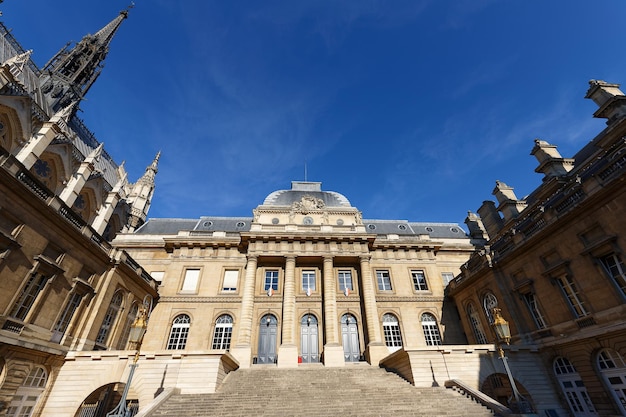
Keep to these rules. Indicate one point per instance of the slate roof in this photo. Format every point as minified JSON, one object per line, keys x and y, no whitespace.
{"x":242,"y":224}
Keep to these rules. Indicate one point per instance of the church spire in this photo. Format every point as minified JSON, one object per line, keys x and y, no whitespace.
{"x":72,"y":71}
{"x":140,"y":196}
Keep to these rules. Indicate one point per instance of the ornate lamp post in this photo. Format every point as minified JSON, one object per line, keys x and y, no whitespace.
{"x":503,"y":333}
{"x":137,"y":331}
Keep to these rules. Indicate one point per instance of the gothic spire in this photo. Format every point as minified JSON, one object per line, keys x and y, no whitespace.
{"x":140,"y":196}
{"x":72,"y":71}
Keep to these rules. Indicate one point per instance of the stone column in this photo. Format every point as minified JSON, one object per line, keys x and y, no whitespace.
{"x":288,"y":352}
{"x":242,"y":351}
{"x":376,"y":350}
{"x":333,"y":351}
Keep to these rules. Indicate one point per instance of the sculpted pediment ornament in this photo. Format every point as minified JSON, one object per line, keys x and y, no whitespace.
{"x":307,"y":204}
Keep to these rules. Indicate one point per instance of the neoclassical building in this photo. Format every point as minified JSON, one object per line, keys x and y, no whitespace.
{"x":305,"y":279}
{"x":554,"y":263}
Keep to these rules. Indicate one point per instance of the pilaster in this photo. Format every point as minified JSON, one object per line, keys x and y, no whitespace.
{"x":242,"y":351}
{"x":288,"y":351}
{"x":376,"y":350}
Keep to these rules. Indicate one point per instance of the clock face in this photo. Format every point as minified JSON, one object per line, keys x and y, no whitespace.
{"x":307,"y":220}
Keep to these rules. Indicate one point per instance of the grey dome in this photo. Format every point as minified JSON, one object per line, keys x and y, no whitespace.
{"x":301,"y":189}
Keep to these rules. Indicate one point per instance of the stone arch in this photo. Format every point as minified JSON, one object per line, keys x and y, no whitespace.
{"x":86,"y":204}
{"x":49,"y":169}
{"x":114,"y":225}
{"x":105,"y":398}
{"x":498,"y":387}
{"x":11,"y":132}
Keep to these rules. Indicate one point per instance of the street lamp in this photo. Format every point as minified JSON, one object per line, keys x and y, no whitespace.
{"x":503,"y":333}
{"x":137,"y":331}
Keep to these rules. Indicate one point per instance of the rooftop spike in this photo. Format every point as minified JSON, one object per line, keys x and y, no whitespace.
{"x":72,"y":71}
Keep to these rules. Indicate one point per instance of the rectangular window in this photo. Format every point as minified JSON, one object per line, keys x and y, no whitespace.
{"x":30,"y":292}
{"x":447,"y":277}
{"x":571,"y":295}
{"x":64,"y":321}
{"x":271,"y":280}
{"x":614,"y":268}
{"x":231,"y":277}
{"x":308,"y":280}
{"x":419,"y":281}
{"x":345,"y":280}
{"x":158,"y":276}
{"x":384,"y":280}
{"x":190,"y":282}
{"x":533,"y":307}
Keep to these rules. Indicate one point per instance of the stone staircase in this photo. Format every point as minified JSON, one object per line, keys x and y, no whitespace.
{"x":316,"y":391}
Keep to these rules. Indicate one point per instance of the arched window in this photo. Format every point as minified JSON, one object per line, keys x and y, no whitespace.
{"x":391,"y":329}
{"x":179,"y":332}
{"x":27,"y":395}
{"x":130,"y":319}
{"x":477,"y":325}
{"x":613,"y":369}
{"x":109,"y":318}
{"x":573,"y":388}
{"x":489,"y":303}
{"x":223,"y":332}
{"x":431,"y":330}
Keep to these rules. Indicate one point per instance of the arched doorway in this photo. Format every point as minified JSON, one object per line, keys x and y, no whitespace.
{"x":268,"y":329}
{"x":572,"y":385}
{"x":613,"y":370}
{"x":498,"y":387}
{"x":105,"y":399}
{"x":350,"y":338}
{"x":309,"y":339}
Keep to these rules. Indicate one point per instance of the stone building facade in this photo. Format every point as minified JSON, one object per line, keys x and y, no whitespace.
{"x":63,"y":287}
{"x":554,"y":263}
{"x":305,"y":279}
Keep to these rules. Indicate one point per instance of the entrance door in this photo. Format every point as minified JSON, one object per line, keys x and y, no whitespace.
{"x":267,"y":339}
{"x":350,"y":338}
{"x":309,"y":339}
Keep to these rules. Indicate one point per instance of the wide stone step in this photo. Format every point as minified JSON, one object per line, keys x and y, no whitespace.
{"x":316,"y":392}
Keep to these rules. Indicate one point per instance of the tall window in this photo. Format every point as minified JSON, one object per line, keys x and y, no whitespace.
{"x":613,"y":370}
{"x":271,"y":280}
{"x":190,"y":282}
{"x":308,"y":280}
{"x":25,"y":398}
{"x":431,"y":330}
{"x":384,"y":280}
{"x":531,"y":302}
{"x":223,"y":332}
{"x":571,"y":295}
{"x":179,"y":333}
{"x":345,"y":280}
{"x":66,"y":316}
{"x":109,"y":318}
{"x":419,"y":281}
{"x":477,"y":327}
{"x":29,"y":293}
{"x":231,"y":276}
{"x":130,"y":319}
{"x":573,"y":388}
{"x":489,"y":303}
{"x":391,"y":329}
{"x":615,"y":269}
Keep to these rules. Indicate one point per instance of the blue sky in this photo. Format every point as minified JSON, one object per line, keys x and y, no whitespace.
{"x":411,"y":109}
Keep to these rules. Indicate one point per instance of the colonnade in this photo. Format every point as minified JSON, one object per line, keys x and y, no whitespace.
{"x":288,"y":349}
